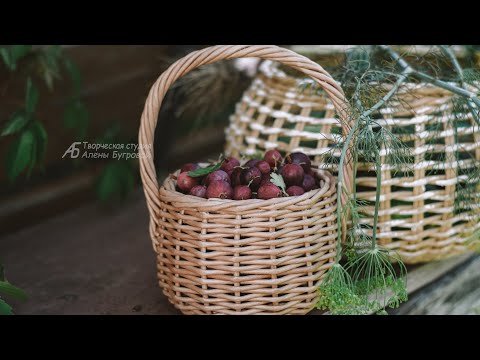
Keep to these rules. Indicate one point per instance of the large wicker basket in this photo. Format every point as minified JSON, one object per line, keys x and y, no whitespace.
{"x":417,"y":217}
{"x":240,"y":257}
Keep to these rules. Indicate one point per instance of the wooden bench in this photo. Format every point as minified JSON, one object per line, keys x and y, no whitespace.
{"x":97,"y":260}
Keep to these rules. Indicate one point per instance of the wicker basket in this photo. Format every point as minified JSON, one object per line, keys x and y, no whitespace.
{"x":240,"y":257}
{"x":417,"y":216}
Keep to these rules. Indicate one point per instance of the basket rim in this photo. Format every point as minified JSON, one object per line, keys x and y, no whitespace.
{"x":272,"y":71}
{"x":328,"y":190}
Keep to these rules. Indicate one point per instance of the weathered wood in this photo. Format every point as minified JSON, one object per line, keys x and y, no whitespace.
{"x":96,"y":260}
{"x":426,"y":274}
{"x":457,"y":293}
{"x":93,"y":260}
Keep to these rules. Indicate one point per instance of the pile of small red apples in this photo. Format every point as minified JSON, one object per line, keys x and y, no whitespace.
{"x":253,"y":180}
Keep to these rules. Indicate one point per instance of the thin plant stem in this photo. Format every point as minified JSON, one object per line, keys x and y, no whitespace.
{"x":355,"y":164}
{"x":449,"y":53}
{"x":429,"y":79}
{"x":402,"y":78}
{"x":341,"y":187}
{"x":378,"y":195}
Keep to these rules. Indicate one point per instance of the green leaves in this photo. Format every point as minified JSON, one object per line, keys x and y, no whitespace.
{"x":205,"y":171}
{"x":49,"y":64}
{"x":337,"y":293}
{"x":26,"y":150}
{"x":20,"y":154}
{"x":31,"y":144}
{"x":13,"y":54}
{"x":29,"y":147}
{"x":20,"y":51}
{"x":76,"y":117}
{"x":5,"y":54}
{"x":75,"y":75}
{"x":10,"y":290}
{"x":21,"y":118}
{"x":5,"y":309}
{"x":31,"y":98}
{"x":116,"y":180}
{"x":278,"y":181}
{"x":41,"y":138}
{"x":257,"y":156}
{"x":377,"y":281}
{"x":16,"y":123}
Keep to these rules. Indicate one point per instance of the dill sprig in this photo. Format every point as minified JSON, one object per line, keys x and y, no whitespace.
{"x":376,"y":281}
{"x":337,"y":293}
{"x":375,"y":88}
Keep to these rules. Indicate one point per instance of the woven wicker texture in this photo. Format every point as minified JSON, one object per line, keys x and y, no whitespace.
{"x":417,"y":216}
{"x":246,"y":257}
{"x":240,"y":257}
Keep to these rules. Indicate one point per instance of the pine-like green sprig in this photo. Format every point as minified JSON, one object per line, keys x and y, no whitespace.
{"x":337,"y":293}
{"x":376,"y":280}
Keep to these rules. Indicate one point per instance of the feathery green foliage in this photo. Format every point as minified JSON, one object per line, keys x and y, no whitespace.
{"x":337,"y":293}
{"x":377,"y":282}
{"x":374,"y":277}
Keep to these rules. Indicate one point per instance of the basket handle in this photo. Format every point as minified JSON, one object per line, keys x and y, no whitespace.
{"x":212,"y":55}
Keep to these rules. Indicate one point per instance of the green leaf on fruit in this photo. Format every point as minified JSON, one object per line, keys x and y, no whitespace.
{"x":277,"y":180}
{"x":10,"y":290}
{"x":205,"y":171}
{"x":16,"y":123}
{"x":257,"y":156}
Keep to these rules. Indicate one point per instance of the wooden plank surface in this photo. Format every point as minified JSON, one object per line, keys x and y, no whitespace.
{"x":456,"y":293}
{"x":92,"y":260}
{"x":429,"y":273}
{"x":97,"y":260}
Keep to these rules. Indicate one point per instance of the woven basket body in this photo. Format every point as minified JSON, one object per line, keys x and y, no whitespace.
{"x":240,"y":257}
{"x":246,"y":257}
{"x":418,"y":218}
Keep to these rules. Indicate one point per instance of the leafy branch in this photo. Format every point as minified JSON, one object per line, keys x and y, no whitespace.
{"x":29,"y":143}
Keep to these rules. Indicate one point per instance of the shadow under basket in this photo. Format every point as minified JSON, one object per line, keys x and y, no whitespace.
{"x":245,"y":257}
